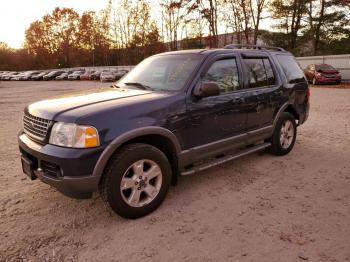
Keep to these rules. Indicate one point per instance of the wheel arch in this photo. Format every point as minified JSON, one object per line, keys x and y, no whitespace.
{"x":159,"y":137}
{"x":287,"y":107}
{"x":290,"y":109}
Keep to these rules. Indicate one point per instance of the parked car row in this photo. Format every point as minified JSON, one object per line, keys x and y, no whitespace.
{"x":103,"y":75}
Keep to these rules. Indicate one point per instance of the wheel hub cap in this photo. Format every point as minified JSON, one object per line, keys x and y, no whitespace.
{"x":287,"y":134}
{"x":141,"y":183}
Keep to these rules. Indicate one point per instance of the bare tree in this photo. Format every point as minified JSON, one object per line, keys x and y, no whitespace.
{"x":173,"y":19}
{"x":256,"y":9}
{"x":241,"y":12}
{"x":209,"y":11}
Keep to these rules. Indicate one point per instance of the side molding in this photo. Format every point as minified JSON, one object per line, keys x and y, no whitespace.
{"x":117,"y":142}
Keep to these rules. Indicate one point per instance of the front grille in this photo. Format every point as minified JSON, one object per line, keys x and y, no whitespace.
{"x":329,"y":75}
{"x":35,"y":127}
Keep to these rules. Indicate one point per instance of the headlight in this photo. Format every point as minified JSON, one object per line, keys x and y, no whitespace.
{"x":73,"y":135}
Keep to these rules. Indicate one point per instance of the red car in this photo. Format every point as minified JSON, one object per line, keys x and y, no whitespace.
{"x":86,"y":75}
{"x":322,"y":74}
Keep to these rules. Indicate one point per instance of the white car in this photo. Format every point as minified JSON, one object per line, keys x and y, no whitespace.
{"x":108,"y":76}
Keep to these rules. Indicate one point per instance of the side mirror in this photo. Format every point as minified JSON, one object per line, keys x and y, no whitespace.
{"x":206,"y":89}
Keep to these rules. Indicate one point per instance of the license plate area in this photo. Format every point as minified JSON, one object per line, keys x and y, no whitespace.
{"x":28,"y":167}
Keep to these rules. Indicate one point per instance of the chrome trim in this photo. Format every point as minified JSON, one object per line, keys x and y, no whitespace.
{"x":36,"y":127}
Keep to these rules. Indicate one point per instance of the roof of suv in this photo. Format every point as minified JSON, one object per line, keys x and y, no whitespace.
{"x":228,"y":49}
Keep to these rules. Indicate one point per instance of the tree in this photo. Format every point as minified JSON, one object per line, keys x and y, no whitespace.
{"x":327,"y":19}
{"x":132,"y":28}
{"x":5,"y":54}
{"x":290,"y":14}
{"x":245,"y":15}
{"x":173,"y":18}
{"x":4,"y":46}
{"x":234,"y":18}
{"x":209,"y":11}
{"x":256,"y":9}
{"x":91,"y":36}
{"x":125,"y":32}
{"x":39,"y":43}
{"x":64,"y":27}
{"x":54,"y":37}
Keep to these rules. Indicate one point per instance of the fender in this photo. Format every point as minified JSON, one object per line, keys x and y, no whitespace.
{"x":117,"y":142}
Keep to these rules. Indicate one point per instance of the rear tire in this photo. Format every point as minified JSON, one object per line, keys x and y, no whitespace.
{"x":136,"y":180}
{"x":284,"y":135}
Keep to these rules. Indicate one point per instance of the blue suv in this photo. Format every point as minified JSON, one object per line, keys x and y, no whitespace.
{"x":176,"y":113}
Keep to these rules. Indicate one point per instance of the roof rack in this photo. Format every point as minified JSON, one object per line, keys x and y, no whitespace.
{"x":258,"y":47}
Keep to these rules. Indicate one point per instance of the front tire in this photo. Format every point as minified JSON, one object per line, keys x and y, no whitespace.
{"x":284,"y":135}
{"x":136,"y":180}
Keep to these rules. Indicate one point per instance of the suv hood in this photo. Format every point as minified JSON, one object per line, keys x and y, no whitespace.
{"x":50,"y":108}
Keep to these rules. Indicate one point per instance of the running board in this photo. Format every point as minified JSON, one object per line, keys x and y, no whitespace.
{"x":225,"y":159}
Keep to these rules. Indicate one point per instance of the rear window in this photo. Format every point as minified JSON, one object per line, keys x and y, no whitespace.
{"x":260,"y":72}
{"x":291,"y":69}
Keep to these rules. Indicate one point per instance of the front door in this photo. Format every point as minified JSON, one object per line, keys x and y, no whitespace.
{"x":216,"y":118}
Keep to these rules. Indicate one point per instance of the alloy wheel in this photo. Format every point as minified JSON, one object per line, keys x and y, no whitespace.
{"x":287,"y":134}
{"x":141,"y":183}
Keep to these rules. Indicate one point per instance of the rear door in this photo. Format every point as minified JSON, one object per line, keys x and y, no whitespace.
{"x":263,"y":90}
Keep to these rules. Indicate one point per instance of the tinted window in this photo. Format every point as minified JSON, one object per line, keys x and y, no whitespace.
{"x":225,"y":74}
{"x":291,"y":69}
{"x":165,"y":72}
{"x":260,"y":72}
{"x":269,"y":72}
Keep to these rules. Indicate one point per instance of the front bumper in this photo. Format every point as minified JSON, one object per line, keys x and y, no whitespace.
{"x":69,"y":170}
{"x":327,"y":80}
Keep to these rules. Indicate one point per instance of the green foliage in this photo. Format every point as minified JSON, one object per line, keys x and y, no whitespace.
{"x":309,"y":25}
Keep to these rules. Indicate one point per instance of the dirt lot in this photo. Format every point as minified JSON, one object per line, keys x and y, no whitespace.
{"x":257,"y":208}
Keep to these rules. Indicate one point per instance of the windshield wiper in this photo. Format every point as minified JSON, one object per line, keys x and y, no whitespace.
{"x":139,"y":85}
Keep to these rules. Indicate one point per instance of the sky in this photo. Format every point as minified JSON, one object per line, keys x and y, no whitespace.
{"x":16,"y":15}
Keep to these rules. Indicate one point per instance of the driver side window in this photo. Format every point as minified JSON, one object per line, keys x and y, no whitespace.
{"x":225,"y":74}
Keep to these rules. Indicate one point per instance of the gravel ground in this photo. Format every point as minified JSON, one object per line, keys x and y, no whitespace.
{"x":257,"y":208}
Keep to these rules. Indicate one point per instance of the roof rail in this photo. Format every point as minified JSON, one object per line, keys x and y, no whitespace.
{"x":258,"y":47}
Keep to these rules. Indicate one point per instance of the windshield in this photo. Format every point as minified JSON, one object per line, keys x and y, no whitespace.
{"x":166,"y":72}
{"x":324,"y":67}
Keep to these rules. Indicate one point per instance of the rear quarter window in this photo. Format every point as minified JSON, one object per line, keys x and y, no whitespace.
{"x":260,"y":73}
{"x":291,"y":69}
